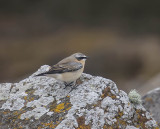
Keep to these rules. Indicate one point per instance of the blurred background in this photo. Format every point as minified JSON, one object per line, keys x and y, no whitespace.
{"x":120,"y":37}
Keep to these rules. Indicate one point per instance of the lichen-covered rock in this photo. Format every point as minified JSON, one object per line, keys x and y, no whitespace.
{"x":43,"y":102}
{"x":151,"y":101}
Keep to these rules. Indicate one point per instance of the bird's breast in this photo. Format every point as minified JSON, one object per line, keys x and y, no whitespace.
{"x":71,"y":76}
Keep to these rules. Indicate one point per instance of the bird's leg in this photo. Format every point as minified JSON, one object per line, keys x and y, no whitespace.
{"x":69,"y":84}
{"x":66,"y":85}
{"x":74,"y":86}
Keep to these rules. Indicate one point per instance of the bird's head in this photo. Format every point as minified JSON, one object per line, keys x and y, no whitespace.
{"x":80,"y":57}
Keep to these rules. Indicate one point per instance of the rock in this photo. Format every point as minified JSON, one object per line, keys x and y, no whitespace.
{"x":42,"y":102}
{"x":151,"y":101}
{"x":151,"y":84}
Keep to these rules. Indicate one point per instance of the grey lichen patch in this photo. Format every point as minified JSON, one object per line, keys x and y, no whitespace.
{"x":95,"y":116}
{"x":150,"y":124}
{"x":131,"y":127}
{"x":36,"y":113}
{"x":39,"y":106}
{"x":5,"y":90}
{"x":42,"y":102}
{"x":13,"y":104}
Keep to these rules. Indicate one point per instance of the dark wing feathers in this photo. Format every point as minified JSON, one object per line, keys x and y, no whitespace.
{"x":63,"y":67}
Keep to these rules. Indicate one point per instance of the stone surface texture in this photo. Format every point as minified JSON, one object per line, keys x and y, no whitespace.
{"x":151,"y":101}
{"x":43,"y":102}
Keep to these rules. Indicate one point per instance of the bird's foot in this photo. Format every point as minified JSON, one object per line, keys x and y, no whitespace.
{"x":73,"y":85}
{"x":73,"y":88}
{"x":69,"y":84}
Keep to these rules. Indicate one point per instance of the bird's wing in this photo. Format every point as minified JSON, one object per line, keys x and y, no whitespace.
{"x":64,"y":67}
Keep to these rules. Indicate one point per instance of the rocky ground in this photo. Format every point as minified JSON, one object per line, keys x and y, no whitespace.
{"x":96,"y":103}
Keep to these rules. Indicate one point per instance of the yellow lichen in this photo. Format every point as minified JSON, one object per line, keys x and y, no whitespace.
{"x":102,"y":96}
{"x":39,"y":127}
{"x":105,"y":127}
{"x":113,"y":96}
{"x":25,"y":97}
{"x":59,"y":108}
{"x":19,"y":116}
{"x":20,"y":127}
{"x":50,"y":125}
{"x":84,"y":127}
{"x":68,"y":108}
{"x":26,"y":119}
{"x":81,"y":123}
{"x":107,"y":92}
{"x":31,"y":99}
{"x":122,"y":122}
{"x":5,"y":113}
{"x":120,"y":114}
{"x":15,"y":113}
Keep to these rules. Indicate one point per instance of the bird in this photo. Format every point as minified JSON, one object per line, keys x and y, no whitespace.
{"x":67,"y":70}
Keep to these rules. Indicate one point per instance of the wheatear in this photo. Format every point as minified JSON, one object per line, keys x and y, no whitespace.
{"x":67,"y":70}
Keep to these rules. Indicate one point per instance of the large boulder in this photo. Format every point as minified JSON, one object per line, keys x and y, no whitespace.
{"x":151,"y":101}
{"x":151,"y":84}
{"x":43,"y":102}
